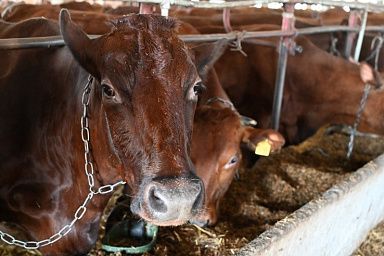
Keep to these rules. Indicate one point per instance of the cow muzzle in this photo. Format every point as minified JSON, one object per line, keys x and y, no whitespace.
{"x":169,"y":201}
{"x":208,"y":217}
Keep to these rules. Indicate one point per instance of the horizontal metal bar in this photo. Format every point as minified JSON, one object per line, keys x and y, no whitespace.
{"x":233,"y":35}
{"x":246,"y":3}
{"x":51,"y":41}
{"x":326,"y":29}
{"x":33,"y":42}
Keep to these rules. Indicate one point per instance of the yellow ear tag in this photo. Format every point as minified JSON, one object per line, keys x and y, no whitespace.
{"x":263,"y":148}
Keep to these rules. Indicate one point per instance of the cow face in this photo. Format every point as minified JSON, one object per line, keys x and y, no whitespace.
{"x":217,"y":137}
{"x":144,"y":97}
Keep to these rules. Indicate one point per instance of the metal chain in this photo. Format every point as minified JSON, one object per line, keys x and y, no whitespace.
{"x":379,"y":39}
{"x":333,"y":47}
{"x":363,"y":101}
{"x":89,"y":171}
{"x":376,"y":45}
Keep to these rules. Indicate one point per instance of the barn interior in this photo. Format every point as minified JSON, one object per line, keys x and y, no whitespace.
{"x":308,"y":53}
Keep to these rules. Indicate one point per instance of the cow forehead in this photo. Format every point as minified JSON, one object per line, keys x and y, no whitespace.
{"x":125,"y":73}
{"x":221,"y":125}
{"x":148,"y":33}
{"x":218,"y":118}
{"x":145,"y":22}
{"x":158,"y":56}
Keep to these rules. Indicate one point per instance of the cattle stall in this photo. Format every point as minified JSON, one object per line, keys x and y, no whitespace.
{"x":336,"y":214}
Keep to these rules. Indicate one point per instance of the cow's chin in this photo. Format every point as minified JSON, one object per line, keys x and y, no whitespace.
{"x":165,"y":223}
{"x":171,"y":222}
{"x":207,"y":217}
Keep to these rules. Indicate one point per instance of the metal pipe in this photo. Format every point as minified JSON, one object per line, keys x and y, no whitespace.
{"x":227,"y":20}
{"x":286,"y":44}
{"x":360,"y":38}
{"x":34,"y":42}
{"x":146,"y":8}
{"x":165,"y":5}
{"x":352,"y":23}
{"x":50,"y":41}
{"x":279,"y":85}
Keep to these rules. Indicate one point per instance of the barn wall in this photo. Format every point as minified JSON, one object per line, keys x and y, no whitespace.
{"x":334,"y":224}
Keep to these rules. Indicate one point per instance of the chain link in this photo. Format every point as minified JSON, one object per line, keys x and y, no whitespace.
{"x":89,"y":171}
{"x":363,"y":101}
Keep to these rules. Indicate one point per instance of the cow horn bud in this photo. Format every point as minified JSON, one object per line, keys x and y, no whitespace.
{"x":247,"y":121}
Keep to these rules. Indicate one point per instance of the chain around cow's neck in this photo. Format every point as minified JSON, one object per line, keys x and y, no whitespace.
{"x":85,"y":136}
{"x":359,"y":112}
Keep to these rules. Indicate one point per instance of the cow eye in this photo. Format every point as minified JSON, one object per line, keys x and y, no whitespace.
{"x":232,"y":161}
{"x":108,"y":91}
{"x":199,"y":88}
{"x":196,"y":90}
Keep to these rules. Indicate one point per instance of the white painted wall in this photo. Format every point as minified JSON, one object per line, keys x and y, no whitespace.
{"x":334,"y":224}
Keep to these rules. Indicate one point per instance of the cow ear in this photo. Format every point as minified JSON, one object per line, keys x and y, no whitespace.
{"x":207,"y":54}
{"x":77,"y":41}
{"x":252,"y":136}
{"x":371,"y":76}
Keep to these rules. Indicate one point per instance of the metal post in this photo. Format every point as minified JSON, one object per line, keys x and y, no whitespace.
{"x":165,"y":5}
{"x":361,"y":36}
{"x":227,"y":20}
{"x":286,"y":44}
{"x":352,"y":23}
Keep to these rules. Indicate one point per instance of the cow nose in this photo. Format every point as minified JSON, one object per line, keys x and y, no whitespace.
{"x":207,"y":217}
{"x":173,"y":200}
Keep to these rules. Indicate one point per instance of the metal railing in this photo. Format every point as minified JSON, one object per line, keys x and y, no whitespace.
{"x":54,"y":41}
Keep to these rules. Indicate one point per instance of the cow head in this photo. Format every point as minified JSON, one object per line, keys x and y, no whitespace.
{"x":141,"y":112}
{"x":217,"y":136}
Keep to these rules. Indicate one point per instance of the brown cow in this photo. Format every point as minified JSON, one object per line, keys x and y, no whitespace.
{"x":319,"y":88}
{"x":140,"y":113}
{"x":218,"y":134}
{"x":222,"y":142}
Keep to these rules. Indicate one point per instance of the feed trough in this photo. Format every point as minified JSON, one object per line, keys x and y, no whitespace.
{"x":334,"y":224}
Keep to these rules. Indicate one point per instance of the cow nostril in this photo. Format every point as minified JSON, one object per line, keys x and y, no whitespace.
{"x":199,"y":196}
{"x":155,"y":201}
